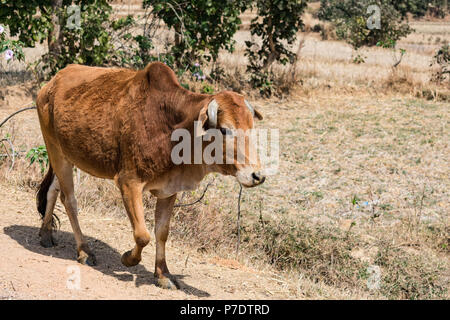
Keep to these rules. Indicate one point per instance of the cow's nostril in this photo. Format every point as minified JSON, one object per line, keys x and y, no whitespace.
{"x":258,"y":177}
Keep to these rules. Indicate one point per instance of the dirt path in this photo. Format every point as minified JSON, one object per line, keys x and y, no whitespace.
{"x":29,"y":271}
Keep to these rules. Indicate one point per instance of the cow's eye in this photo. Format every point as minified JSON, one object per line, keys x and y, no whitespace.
{"x":226,"y":131}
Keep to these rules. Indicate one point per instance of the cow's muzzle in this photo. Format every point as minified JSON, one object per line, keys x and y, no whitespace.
{"x":250,"y":178}
{"x":258,"y":178}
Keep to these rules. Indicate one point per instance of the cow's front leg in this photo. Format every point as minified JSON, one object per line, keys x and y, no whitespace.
{"x":163,"y":213}
{"x":132,"y":198}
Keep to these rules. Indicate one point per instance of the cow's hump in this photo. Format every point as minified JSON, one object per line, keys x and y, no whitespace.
{"x":161,"y":77}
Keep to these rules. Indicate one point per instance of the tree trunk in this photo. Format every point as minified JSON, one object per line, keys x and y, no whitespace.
{"x":55,"y":36}
{"x":178,"y":34}
{"x":273,"y":55}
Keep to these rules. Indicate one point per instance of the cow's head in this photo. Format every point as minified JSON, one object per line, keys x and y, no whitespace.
{"x":232,"y":116}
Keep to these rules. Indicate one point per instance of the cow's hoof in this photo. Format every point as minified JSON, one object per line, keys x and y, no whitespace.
{"x":47,"y":240}
{"x":87,"y":259}
{"x":128,"y":260}
{"x":167,"y":283}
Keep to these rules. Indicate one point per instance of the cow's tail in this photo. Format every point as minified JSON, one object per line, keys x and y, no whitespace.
{"x":41,"y":197}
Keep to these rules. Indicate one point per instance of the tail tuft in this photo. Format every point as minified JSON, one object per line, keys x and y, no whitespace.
{"x":41,"y":197}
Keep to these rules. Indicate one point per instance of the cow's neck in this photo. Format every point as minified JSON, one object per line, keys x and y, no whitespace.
{"x":186,"y":176}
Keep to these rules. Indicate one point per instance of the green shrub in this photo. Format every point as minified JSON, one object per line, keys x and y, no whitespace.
{"x":276,"y":24}
{"x":37,"y":21}
{"x":38,"y":155}
{"x":98,"y":40}
{"x":350,"y":19}
{"x":202,"y":27}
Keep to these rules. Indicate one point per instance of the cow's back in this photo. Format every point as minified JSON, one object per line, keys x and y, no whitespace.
{"x":79,"y":111}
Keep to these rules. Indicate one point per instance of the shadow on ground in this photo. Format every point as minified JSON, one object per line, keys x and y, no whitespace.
{"x":108,"y":258}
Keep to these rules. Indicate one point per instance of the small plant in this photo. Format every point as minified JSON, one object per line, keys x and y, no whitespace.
{"x":321,"y":253}
{"x":355,"y":200}
{"x":392,"y":44}
{"x":134,"y":50}
{"x":409,"y":276}
{"x":317,"y":28}
{"x":9,"y":151}
{"x":208,"y":89}
{"x":39,"y":155}
{"x":197,"y":72}
{"x":359,"y":59}
{"x":217,"y":73}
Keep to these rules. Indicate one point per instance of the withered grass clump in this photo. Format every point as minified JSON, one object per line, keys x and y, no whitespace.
{"x":205,"y":228}
{"x":322,"y":253}
{"x":434,"y":94}
{"x":409,"y":276}
{"x":400,"y":79}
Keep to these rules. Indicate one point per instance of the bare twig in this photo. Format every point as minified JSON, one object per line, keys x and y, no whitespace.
{"x":196,"y":201}
{"x":180,"y":33}
{"x":18,"y":111}
{"x":261,"y":220}
{"x":293,"y":67}
{"x":239,"y":221}
{"x":402,"y":53}
{"x":13,"y":156}
{"x":418,"y":213}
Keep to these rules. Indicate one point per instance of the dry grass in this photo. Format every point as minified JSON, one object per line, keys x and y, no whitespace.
{"x":330,"y":63}
{"x":363,"y":178}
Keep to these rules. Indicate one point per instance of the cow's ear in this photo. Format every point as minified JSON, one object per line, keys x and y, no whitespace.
{"x":254,"y":112}
{"x":201,"y":123}
{"x":207,"y":118}
{"x":258,"y":115}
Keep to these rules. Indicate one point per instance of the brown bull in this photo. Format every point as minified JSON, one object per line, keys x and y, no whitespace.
{"x":117,"y":124}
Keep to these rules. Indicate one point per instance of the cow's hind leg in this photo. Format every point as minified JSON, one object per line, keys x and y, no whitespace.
{"x":63,"y":171}
{"x":163,"y":214}
{"x":132,"y":198}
